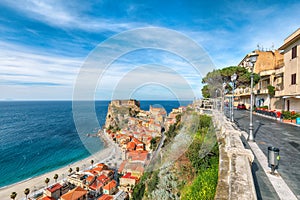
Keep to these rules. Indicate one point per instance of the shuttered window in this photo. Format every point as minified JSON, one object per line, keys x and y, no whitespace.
{"x":293,"y":79}
{"x":294,"y":52}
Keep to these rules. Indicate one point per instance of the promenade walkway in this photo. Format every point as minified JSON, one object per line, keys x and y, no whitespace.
{"x":268,"y":132}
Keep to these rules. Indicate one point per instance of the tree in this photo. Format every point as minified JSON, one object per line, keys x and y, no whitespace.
{"x":153,"y":143}
{"x":47,"y":180}
{"x":92,"y":162}
{"x":205,"y":91}
{"x":271,"y":90}
{"x":55,"y":177}
{"x":26,"y":192}
{"x":70,"y":170}
{"x":77,"y":169}
{"x":13,"y":195}
{"x":215,"y":79}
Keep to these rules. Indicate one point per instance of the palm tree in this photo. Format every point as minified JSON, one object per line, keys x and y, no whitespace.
{"x":92,"y":162}
{"x":13,"y":195}
{"x":70,"y":170}
{"x":47,"y":180}
{"x":55,"y":177}
{"x":77,"y":169}
{"x":26,"y":192}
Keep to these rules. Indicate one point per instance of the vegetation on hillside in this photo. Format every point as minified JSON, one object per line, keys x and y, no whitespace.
{"x":194,"y":174}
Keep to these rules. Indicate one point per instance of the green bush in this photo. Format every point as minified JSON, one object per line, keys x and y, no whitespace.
{"x":271,"y":90}
{"x":153,"y":182}
{"x":265,"y":107}
{"x":205,"y":184}
{"x":205,"y":121}
{"x":138,"y":191}
{"x":286,"y":114}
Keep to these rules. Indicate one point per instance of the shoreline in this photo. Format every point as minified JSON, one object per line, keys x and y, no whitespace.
{"x":109,"y":154}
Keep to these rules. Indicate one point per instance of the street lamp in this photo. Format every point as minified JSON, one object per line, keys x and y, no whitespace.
{"x":223,"y":97}
{"x":233,"y":79}
{"x":251,"y":63}
{"x":218,"y":100}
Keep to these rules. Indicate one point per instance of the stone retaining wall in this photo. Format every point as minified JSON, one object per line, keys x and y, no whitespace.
{"x":235,"y":178}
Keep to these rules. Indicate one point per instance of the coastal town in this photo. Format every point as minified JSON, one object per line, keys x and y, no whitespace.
{"x":149,"y":100}
{"x":136,"y":139}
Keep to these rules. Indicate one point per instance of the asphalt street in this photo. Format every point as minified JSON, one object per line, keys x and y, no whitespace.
{"x":286,"y":137}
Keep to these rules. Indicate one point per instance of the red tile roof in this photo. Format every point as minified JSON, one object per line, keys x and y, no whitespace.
{"x":130,"y":146}
{"x":90,"y":178}
{"x":138,"y":155}
{"x":112,"y":184}
{"x":76,"y":193}
{"x":54,"y":187}
{"x":122,"y":166}
{"x":47,"y":198}
{"x":105,"y":197}
{"x":96,"y":185}
{"x":128,"y":175}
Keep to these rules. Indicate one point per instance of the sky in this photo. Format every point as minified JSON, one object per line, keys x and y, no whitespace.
{"x":47,"y":46}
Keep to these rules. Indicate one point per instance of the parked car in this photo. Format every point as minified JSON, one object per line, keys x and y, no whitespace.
{"x":241,"y":106}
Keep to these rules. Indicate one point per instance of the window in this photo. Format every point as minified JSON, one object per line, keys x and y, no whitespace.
{"x":294,"y":52}
{"x":293,"y":79}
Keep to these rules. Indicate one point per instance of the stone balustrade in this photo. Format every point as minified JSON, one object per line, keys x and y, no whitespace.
{"x":235,"y":178}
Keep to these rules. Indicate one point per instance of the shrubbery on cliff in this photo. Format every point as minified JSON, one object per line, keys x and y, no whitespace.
{"x":194,"y":175}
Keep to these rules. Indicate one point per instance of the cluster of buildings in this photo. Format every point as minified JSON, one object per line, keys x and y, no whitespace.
{"x":279,"y":70}
{"x":95,"y":183}
{"x":135,"y":140}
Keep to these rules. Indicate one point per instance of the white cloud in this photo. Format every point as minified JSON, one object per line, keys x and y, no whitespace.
{"x":61,"y":14}
{"x":19,"y":65}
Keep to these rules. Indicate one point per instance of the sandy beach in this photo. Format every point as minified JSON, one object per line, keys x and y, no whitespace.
{"x":110,"y":155}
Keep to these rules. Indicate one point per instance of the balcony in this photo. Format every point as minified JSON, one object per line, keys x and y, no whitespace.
{"x":242,"y":91}
{"x":279,"y":64}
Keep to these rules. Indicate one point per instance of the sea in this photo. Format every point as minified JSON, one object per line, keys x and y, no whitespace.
{"x":40,"y":136}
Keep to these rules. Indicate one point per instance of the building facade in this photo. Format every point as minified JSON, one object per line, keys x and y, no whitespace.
{"x":291,"y":81}
{"x":266,"y":65}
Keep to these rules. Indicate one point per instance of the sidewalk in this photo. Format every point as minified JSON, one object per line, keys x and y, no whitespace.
{"x":279,"y":185}
{"x":272,"y":132}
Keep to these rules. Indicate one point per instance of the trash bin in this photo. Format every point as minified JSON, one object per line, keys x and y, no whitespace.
{"x":298,"y":120}
{"x":273,"y":158}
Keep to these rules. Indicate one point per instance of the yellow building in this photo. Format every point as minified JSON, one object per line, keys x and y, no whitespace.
{"x":291,"y":71}
{"x":266,"y":65}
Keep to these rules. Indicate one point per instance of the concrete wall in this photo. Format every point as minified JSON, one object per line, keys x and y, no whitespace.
{"x":235,"y":177}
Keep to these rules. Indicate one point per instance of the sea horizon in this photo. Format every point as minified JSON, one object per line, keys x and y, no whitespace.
{"x":46,"y":129}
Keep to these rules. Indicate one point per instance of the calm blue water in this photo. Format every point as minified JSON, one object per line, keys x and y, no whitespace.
{"x":37,"y":137}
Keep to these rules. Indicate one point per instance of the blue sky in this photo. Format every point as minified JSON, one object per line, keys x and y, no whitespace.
{"x":44,"y":44}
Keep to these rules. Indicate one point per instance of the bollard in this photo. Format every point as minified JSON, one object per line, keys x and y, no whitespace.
{"x":273,"y":158}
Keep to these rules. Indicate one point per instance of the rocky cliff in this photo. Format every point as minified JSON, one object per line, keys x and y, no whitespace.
{"x":119,"y":113}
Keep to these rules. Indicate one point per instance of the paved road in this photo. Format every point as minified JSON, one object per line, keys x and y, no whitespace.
{"x":269,"y":132}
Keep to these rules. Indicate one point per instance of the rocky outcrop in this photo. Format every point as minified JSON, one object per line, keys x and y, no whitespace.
{"x":119,"y":111}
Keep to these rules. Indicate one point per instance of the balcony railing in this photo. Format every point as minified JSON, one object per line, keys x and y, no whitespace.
{"x":279,"y":64}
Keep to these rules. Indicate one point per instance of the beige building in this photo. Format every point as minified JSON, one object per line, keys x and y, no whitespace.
{"x":266,"y":66}
{"x":291,"y":81}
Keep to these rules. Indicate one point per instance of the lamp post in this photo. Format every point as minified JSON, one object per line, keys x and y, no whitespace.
{"x":223,"y":97}
{"x":251,"y":63}
{"x":233,"y":79}
{"x":218,"y":101}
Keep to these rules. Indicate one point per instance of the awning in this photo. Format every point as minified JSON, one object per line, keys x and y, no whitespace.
{"x":286,"y":97}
